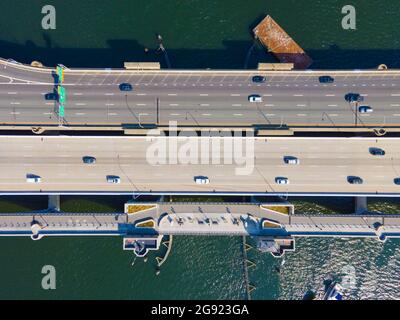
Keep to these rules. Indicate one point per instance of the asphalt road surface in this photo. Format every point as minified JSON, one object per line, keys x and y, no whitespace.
{"x":198,"y":98}
{"x":325,"y":164}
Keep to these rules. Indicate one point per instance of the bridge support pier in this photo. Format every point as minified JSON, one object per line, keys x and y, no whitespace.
{"x":54,"y":202}
{"x":361,"y":205}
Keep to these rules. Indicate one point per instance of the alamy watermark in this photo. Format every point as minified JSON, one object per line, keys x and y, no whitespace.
{"x":207,"y":148}
{"x":49,"y":20}
{"x":349,"y":20}
{"x":49,"y":280}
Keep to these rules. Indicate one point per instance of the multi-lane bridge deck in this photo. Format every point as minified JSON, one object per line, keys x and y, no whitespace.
{"x":198,"y":98}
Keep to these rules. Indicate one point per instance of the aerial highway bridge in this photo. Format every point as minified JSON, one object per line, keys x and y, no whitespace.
{"x":127,"y":165}
{"x":198,"y":98}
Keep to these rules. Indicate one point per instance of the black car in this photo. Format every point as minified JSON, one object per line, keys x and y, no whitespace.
{"x":353,"y":97}
{"x":258,"y":79}
{"x":377,"y":151}
{"x":89,"y":160}
{"x":396,"y":181}
{"x":51,"y":96}
{"x":354,"y":180}
{"x":326,"y":79}
{"x":125,"y":87}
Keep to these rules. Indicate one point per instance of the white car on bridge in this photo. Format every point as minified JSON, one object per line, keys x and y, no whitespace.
{"x":32,"y":178}
{"x":201,"y":180}
{"x":255,"y":98}
{"x":281,"y":180}
{"x":113,"y":179}
{"x":365,"y":109}
{"x":291,"y":160}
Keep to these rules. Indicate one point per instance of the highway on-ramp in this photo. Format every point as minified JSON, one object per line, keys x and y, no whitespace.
{"x":198,"y":97}
{"x":325,"y":164}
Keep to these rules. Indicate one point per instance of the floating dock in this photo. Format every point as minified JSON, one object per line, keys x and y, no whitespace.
{"x":280,"y":44}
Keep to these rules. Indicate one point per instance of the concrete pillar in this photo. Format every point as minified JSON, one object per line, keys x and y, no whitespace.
{"x":361,"y":205}
{"x":54,"y":202}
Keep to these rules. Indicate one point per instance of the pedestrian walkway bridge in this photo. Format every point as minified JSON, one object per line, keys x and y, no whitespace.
{"x":259,"y":220}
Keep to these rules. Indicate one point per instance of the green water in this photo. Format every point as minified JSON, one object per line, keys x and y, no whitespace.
{"x":197,"y":268}
{"x":197,"y":34}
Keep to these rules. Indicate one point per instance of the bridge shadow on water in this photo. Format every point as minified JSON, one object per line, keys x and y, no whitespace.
{"x":233,"y":55}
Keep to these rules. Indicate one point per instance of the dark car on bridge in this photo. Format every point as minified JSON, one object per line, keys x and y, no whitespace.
{"x":326,"y":79}
{"x":258,"y":79}
{"x":89,"y":160}
{"x":125,"y":87}
{"x":354,"y":180}
{"x":51,"y":96}
{"x":353,"y":97}
{"x":377,"y":151}
{"x":396,"y":181}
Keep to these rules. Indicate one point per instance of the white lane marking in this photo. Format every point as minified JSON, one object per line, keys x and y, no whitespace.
{"x":395,"y":94}
{"x":143,"y":114}
{"x":205,"y":105}
{"x":16,"y":103}
{"x":47,"y":113}
{"x":172,"y":94}
{"x":301,"y":105}
{"x":141,"y":104}
{"x":267,"y":95}
{"x":109,"y":94}
{"x":174,"y":114}
{"x":109,"y":104}
{"x":238,"y":114}
{"x":235,"y":95}
{"x":297,"y":95}
{"x":333,"y":115}
{"x":78,"y":94}
{"x":269,"y":105}
{"x":80,"y":114}
{"x":236,"y":105}
{"x":395,"y":105}
{"x":206,"y":114}
{"x":301,"y":115}
{"x":49,"y":103}
{"x":12,"y":92}
{"x":112,"y":114}
{"x":396,"y":114}
{"x":332,"y":105}
{"x":141,"y":94}
{"x":364,"y":94}
{"x":329,"y":95}
{"x":80,"y":104}
{"x":203,"y":94}
{"x":270,"y":115}
{"x":15,"y":113}
{"x":174,"y":104}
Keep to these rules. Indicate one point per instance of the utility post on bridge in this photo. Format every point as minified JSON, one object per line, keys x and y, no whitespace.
{"x":356,"y":113}
{"x":158,"y":111}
